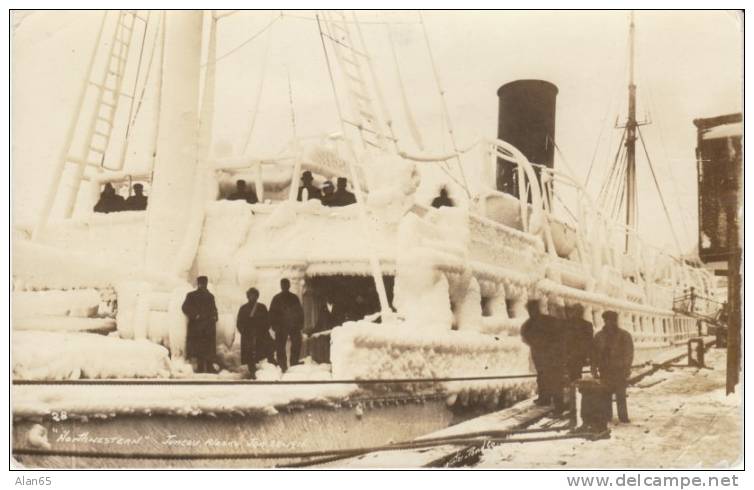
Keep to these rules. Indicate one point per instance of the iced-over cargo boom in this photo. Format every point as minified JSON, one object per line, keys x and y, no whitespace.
{"x":442,"y":290}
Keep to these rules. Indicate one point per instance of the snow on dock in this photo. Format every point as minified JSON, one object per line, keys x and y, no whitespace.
{"x":680,"y":419}
{"x":681,"y":404}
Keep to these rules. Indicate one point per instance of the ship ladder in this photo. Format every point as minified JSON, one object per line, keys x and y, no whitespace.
{"x":351,"y":61}
{"x":98,"y":129}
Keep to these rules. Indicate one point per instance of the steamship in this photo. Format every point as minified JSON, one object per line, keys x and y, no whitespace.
{"x":441,"y":290}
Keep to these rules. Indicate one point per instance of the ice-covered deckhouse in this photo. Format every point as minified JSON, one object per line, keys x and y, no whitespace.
{"x":441,"y":291}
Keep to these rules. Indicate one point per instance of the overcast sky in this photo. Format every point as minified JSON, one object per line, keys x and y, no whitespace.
{"x":689,"y":65}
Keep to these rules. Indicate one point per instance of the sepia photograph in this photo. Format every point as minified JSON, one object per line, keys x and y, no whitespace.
{"x":376,"y":239}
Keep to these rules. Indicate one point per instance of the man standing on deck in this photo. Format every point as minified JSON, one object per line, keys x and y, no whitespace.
{"x":109,"y":201}
{"x":287,"y":321}
{"x":243,"y":194}
{"x":199,"y":306}
{"x":342,"y":196}
{"x":543,"y":334}
{"x":253,"y":323}
{"x":137,"y":202}
{"x":612,"y":360}
{"x":579,"y":339}
{"x":327,"y":194}
{"x":308,"y":190}
{"x":443,"y":199}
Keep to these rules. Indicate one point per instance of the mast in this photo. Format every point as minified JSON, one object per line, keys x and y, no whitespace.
{"x":631,"y":127}
{"x":178,"y":154}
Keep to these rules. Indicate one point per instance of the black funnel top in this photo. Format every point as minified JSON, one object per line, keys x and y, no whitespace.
{"x":526,"y":119}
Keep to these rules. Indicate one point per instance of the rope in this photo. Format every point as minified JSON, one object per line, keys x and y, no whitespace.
{"x":413,"y":128}
{"x":195,"y":382}
{"x":332,"y":77}
{"x":608,"y":179}
{"x":258,"y":99}
{"x":659,"y":192}
{"x":138,"y":72}
{"x":147,"y":76}
{"x":444,"y":104}
{"x":684,"y":224}
{"x":244,"y":43}
{"x":608,"y":110}
{"x":224,"y":382}
{"x":290,"y":101}
{"x":316,"y":19}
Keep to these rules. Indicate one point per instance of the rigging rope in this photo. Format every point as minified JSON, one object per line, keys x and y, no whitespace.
{"x":138,"y":72}
{"x":413,"y":128}
{"x":258,"y":99}
{"x":608,"y":182}
{"x":244,"y":43}
{"x":603,"y":125}
{"x":659,"y":191}
{"x":148,"y":72}
{"x":681,"y":208}
{"x":316,"y":19}
{"x":290,"y":101}
{"x":444,"y":104}
{"x":332,"y":77}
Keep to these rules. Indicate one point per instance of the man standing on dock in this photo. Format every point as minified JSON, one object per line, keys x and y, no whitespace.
{"x":612,"y":360}
{"x":543,"y":335}
{"x":199,"y":306}
{"x":287,"y":321}
{"x":579,"y":339}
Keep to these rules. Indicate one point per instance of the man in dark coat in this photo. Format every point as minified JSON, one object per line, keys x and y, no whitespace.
{"x":612,"y":360}
{"x":342,"y":196}
{"x":312,"y":192}
{"x":442,"y":199}
{"x":137,"y":202}
{"x":253,"y":323}
{"x":327,"y":194}
{"x":199,"y":306}
{"x":109,"y":201}
{"x":579,"y":339}
{"x":543,"y":335}
{"x":287,"y":321}
{"x":242,"y":193}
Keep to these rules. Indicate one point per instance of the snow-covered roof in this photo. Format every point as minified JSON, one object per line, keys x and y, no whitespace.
{"x":724,"y":131}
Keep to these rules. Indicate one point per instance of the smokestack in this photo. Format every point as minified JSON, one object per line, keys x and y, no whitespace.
{"x":526,"y":119}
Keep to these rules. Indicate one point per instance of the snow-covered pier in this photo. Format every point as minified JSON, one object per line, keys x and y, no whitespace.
{"x":680,"y":418}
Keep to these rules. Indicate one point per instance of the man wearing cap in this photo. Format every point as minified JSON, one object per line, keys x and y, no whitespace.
{"x":137,"y":202}
{"x":312,"y":192}
{"x":287,"y":321}
{"x":612,"y":360}
{"x":199,"y":306}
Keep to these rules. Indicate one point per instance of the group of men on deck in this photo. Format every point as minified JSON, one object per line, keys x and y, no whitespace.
{"x":285,"y":317}
{"x":111,"y":202}
{"x":561,"y":348}
{"x":327,"y":195}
